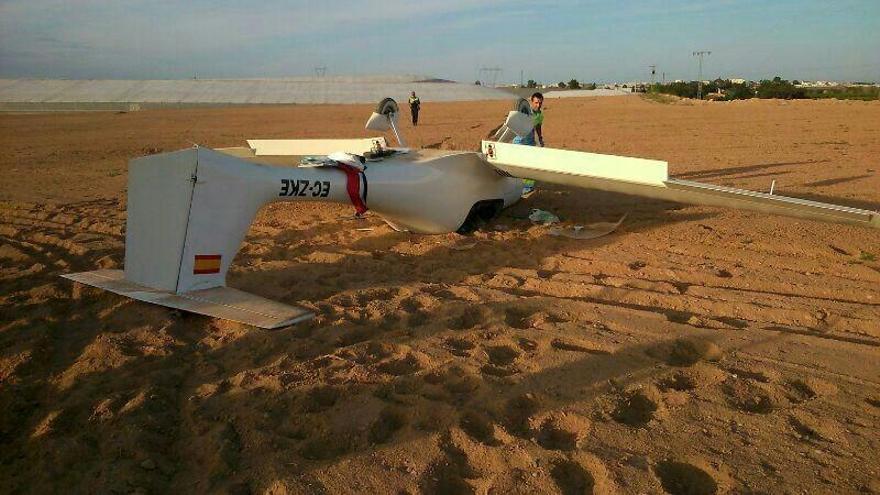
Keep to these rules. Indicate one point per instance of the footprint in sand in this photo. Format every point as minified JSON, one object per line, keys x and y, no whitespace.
{"x":418,"y":302}
{"x":327,"y":446}
{"x":365,"y":297}
{"x":562,"y":431}
{"x":812,"y":388}
{"x":581,"y":473}
{"x":471,"y":316}
{"x":681,"y":478}
{"x":358,"y":335}
{"x":461,"y":382}
{"x":375,"y":352}
{"x":638,"y":406}
{"x":520,"y":318}
{"x":479,"y":426}
{"x":404,"y":365}
{"x":389,"y":422}
{"x":419,"y":318}
{"x":688,"y":352}
{"x":759,"y":374}
{"x":813,"y":427}
{"x":446,"y":478}
{"x":465,"y":467}
{"x":519,"y":411}
{"x":501,"y":360}
{"x":459,"y":346}
{"x":320,"y":398}
{"x":529,"y":319}
{"x":753,"y":397}
{"x":572,"y":478}
{"x":528,"y":345}
{"x":502,"y":355}
{"x":458,"y":383}
{"x":698,"y":376}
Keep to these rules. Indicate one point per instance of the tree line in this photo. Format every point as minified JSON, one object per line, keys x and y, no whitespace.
{"x":573,"y":84}
{"x":725,"y":89}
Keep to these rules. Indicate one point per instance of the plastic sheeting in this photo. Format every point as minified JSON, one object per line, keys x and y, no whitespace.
{"x":241,"y":91}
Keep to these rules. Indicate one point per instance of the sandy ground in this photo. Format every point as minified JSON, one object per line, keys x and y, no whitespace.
{"x":693,"y":351}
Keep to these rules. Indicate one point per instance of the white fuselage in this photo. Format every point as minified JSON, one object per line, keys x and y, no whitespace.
{"x":432,"y":192}
{"x":421,"y":191}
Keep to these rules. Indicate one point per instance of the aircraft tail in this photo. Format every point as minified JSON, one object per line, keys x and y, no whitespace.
{"x":188,"y":212}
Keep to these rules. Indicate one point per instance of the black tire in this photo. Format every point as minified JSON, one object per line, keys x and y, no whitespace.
{"x":523,"y":106}
{"x":387,"y":106}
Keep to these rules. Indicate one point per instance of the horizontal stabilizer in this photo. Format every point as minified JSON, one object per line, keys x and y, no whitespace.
{"x":649,"y":179}
{"x":217,"y":302}
{"x":307,"y":147}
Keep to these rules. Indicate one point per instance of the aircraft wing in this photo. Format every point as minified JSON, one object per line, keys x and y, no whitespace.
{"x":650,"y":179}
{"x":305,"y":147}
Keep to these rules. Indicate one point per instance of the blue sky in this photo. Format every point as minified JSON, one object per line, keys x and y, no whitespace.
{"x":548,"y":41}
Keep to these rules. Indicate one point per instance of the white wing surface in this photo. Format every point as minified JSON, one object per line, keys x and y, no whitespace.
{"x":650,"y":179}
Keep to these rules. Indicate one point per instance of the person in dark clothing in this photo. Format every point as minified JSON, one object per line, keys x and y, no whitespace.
{"x":414,"y":107}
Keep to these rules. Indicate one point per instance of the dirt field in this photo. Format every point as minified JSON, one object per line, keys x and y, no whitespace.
{"x":694,"y":351}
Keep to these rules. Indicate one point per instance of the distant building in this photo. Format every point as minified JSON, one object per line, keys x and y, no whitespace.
{"x":818,"y":84}
{"x":738,"y":81}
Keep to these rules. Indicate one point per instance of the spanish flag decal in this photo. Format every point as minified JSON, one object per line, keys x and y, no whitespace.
{"x":206,"y":263}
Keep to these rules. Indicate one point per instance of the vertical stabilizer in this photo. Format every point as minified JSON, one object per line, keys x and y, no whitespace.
{"x":160,"y":189}
{"x":188,"y":213}
{"x":226,"y":197}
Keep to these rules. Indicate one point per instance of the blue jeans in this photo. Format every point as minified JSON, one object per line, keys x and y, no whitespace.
{"x":528,"y":140}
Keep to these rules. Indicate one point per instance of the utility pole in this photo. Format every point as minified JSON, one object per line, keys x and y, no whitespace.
{"x":521,"y":78}
{"x":494,"y":71}
{"x":700,"y":80}
{"x":321,"y":71}
{"x":664,"y":78}
{"x":653,"y":71}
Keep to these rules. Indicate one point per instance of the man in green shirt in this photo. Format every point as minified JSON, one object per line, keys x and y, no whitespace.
{"x":536,"y":101}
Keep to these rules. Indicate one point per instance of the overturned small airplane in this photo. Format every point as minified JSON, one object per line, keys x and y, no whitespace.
{"x":189,"y":210}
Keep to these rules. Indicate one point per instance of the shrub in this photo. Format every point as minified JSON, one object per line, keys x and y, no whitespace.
{"x":779,"y":88}
{"x":739,"y":92}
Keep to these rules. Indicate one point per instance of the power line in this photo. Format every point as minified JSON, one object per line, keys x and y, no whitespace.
{"x":700,"y":80}
{"x":493,"y":71}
